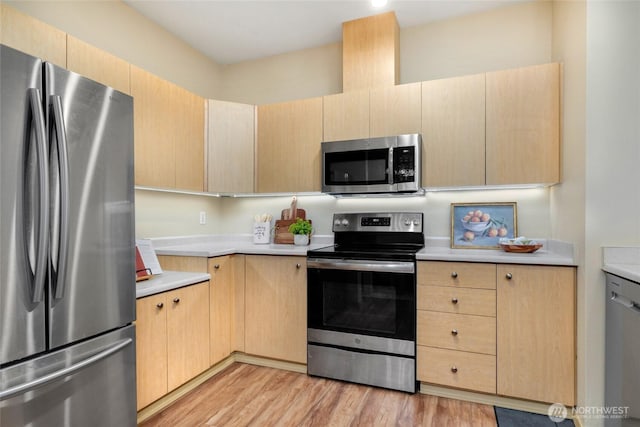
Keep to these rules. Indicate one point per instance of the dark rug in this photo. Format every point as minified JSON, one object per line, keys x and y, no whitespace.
{"x":512,"y":418}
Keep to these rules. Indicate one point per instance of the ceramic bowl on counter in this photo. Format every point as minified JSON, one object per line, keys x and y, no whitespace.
{"x":519,"y":245}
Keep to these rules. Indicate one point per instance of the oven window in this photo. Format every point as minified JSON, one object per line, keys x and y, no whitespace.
{"x":362,"y":167}
{"x":364,"y":307}
{"x":368,"y":303}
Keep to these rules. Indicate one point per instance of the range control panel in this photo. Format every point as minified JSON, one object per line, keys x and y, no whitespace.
{"x":379,"y":222}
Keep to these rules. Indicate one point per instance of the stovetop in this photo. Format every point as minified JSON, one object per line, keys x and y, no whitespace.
{"x":387,"y":252}
{"x":380,"y":236}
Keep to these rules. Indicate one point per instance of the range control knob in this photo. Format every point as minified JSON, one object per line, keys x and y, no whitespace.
{"x":416,"y":222}
{"x":407,"y":222}
{"x":336,"y":222}
{"x":345,"y":222}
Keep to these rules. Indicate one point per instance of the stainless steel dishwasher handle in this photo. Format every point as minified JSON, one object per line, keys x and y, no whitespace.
{"x":625,"y":302}
{"x":21,"y":388}
{"x":362,"y":265}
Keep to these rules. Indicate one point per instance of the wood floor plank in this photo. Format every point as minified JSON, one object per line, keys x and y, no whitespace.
{"x":247,"y":395}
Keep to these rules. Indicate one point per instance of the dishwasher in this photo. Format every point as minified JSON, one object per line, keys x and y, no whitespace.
{"x":622,"y":354}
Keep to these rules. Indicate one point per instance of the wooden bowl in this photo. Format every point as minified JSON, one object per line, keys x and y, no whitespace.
{"x":523,"y":249}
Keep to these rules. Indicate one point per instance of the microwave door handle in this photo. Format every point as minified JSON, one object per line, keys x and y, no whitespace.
{"x":390,"y":179}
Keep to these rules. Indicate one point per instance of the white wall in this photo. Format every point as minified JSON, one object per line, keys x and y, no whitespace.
{"x":612,"y":196}
{"x":119,"y":29}
{"x":507,"y":37}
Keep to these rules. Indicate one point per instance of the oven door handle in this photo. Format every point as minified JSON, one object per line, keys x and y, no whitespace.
{"x":362,"y":265}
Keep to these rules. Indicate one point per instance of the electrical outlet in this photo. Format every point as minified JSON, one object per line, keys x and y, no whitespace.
{"x":203,"y":218}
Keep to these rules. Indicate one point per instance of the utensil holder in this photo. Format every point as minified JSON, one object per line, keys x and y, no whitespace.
{"x":261,"y":232}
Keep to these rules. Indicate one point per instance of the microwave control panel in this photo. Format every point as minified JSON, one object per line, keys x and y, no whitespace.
{"x":404,"y":164}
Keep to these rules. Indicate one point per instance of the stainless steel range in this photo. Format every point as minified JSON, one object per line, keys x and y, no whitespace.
{"x":361,"y":300}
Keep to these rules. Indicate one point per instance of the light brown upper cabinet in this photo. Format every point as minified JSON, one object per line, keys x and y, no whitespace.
{"x":523,"y":125}
{"x":97,"y":65}
{"x":27,"y":34}
{"x":370,"y":52}
{"x":395,"y":110}
{"x":288,"y":146}
{"x":169,"y":133}
{"x":346,"y":116}
{"x":453,"y":140}
{"x":231,"y":148}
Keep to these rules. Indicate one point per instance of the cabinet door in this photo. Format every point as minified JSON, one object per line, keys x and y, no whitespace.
{"x":187,"y":333}
{"x":289,"y":136}
{"x":221,"y":305}
{"x":188,"y":135}
{"x":395,"y":110}
{"x":453,"y":120}
{"x":168,"y":132}
{"x":151,"y":349}
{"x":154,"y":147}
{"x":276,"y":307}
{"x":230,"y":139}
{"x":97,"y":64}
{"x":523,"y":125}
{"x":27,"y":34}
{"x":346,"y":116}
{"x":536,"y":333}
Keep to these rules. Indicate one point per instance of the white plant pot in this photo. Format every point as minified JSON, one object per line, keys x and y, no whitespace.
{"x":301,"y":239}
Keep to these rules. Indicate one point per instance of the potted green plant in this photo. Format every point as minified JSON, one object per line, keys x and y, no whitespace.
{"x":301,"y":230}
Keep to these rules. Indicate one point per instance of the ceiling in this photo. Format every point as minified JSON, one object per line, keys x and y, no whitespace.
{"x":230,"y":31}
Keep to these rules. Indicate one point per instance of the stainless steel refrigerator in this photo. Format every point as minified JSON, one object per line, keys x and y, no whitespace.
{"x":67,"y":251}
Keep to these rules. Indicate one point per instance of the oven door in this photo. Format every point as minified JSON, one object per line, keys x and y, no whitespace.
{"x":368,"y":305}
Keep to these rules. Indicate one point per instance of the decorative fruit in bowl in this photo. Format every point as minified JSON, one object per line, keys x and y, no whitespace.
{"x":476,"y":221}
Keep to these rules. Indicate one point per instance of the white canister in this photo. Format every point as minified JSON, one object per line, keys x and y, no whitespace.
{"x":261,"y":232}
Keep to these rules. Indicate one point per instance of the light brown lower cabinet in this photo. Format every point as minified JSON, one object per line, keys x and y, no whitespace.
{"x":508,"y":330}
{"x":536,"y":333}
{"x":172,"y":340}
{"x":221,"y":304}
{"x":276,"y":308}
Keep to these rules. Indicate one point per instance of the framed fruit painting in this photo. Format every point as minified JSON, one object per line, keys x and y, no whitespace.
{"x":482,"y":225}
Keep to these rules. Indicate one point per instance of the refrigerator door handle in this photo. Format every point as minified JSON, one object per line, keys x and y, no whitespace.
{"x":25,"y":387}
{"x":60,"y":226}
{"x":38,"y":125}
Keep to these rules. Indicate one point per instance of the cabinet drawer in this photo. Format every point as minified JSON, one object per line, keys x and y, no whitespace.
{"x":457,"y":369}
{"x":459,"y":274}
{"x":481,"y":302}
{"x":457,"y":331}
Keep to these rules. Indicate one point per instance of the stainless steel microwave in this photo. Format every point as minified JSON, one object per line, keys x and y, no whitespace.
{"x":389,"y":164}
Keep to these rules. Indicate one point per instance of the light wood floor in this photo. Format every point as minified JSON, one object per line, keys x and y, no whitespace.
{"x":247,"y":395}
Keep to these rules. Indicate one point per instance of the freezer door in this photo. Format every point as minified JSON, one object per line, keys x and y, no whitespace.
{"x":23,"y":235}
{"x":88,"y":384}
{"x":90,"y":129}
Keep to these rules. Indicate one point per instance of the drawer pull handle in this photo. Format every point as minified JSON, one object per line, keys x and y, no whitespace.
{"x":454,"y":274}
{"x":298,"y":265}
{"x":159,"y":305}
{"x":217,"y":266}
{"x":454,"y":369}
{"x":454,"y":332}
{"x":509,"y":276}
{"x":176,"y":300}
{"x":454,"y":300}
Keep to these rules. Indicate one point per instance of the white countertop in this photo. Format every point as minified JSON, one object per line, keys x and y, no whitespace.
{"x":622,"y":261}
{"x":552,"y":253}
{"x":219,"y":245}
{"x":167,"y":281}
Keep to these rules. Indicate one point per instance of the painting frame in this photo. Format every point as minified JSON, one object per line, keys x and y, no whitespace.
{"x":485,"y":231}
